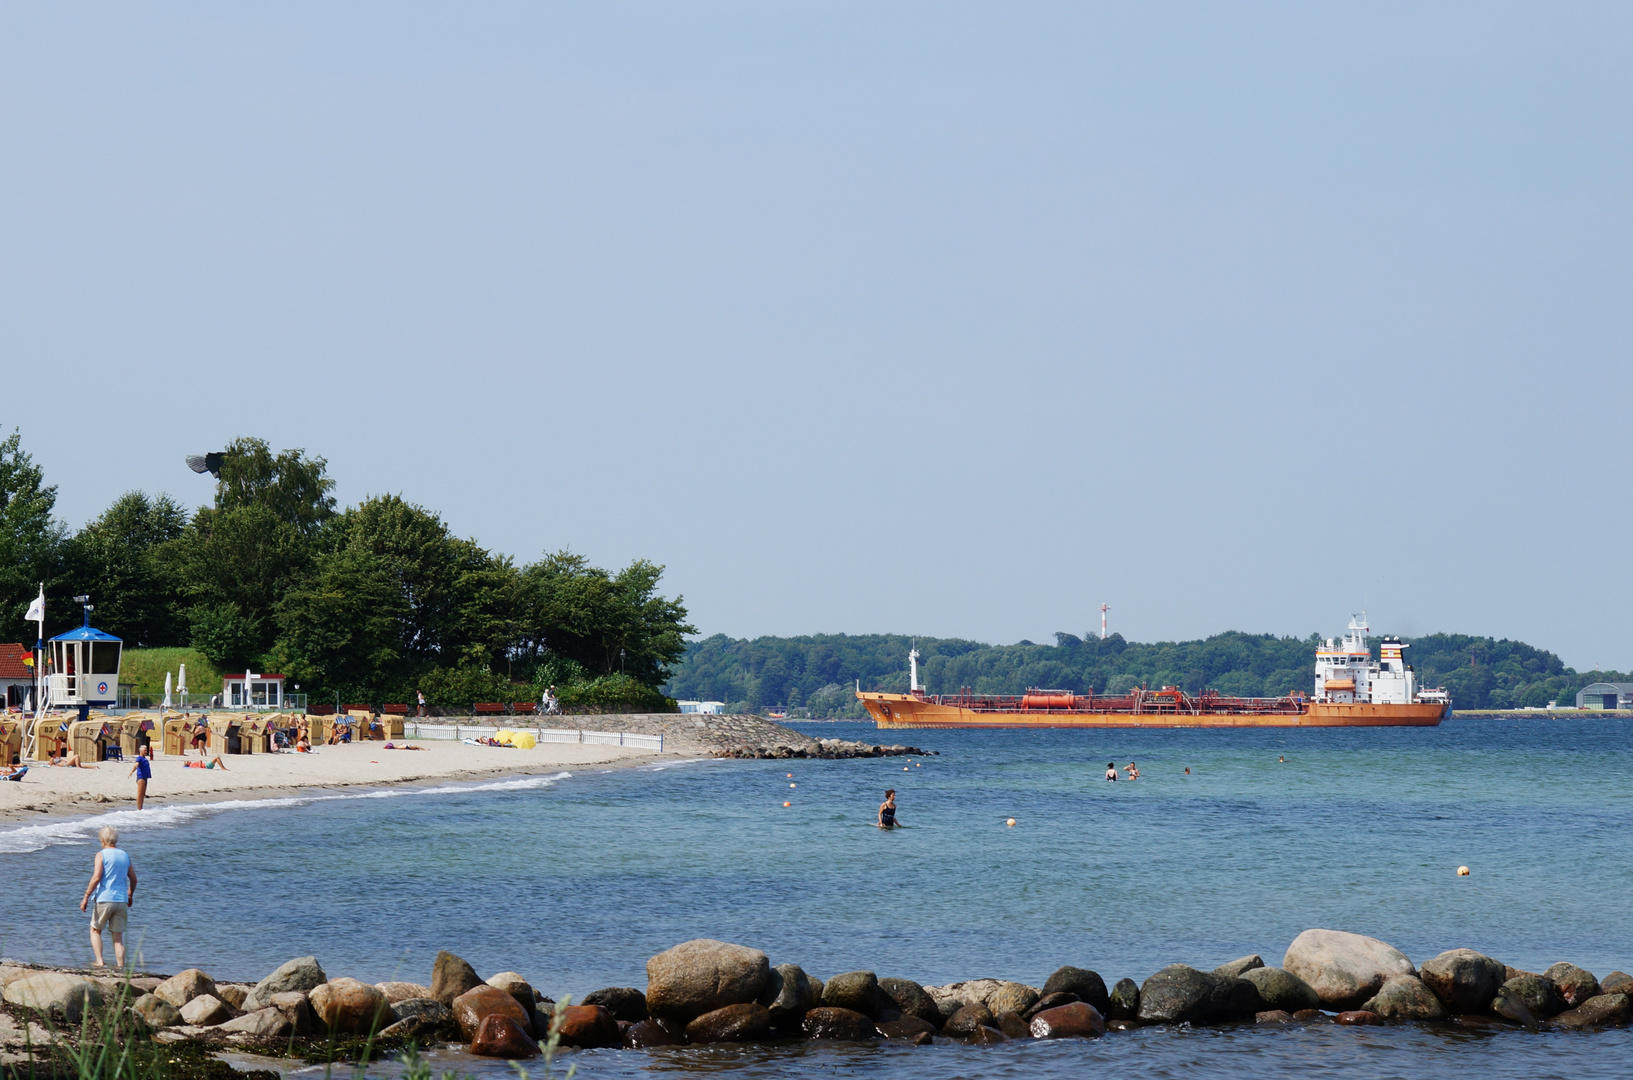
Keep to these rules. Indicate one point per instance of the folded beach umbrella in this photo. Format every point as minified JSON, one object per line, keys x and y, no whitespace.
{"x":166,"y":690}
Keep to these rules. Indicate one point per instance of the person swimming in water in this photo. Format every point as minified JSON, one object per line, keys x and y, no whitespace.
{"x":1111,"y":770}
{"x":887,"y":811}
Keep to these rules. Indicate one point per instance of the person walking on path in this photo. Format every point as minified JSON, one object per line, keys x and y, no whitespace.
{"x":143,"y":770}
{"x":421,"y":695}
{"x":113,"y":883}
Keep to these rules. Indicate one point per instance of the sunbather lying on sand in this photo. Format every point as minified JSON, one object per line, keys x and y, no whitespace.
{"x":213,"y":763}
{"x":72,"y":761}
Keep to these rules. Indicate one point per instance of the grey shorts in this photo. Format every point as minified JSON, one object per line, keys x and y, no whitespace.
{"x":109,"y":917}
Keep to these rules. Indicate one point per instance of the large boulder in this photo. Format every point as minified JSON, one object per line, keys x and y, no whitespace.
{"x":1344,"y":969}
{"x":1280,"y":989}
{"x":1084,"y":984}
{"x":402,"y":991}
{"x":734,"y":1023}
{"x":1358,"y":1018}
{"x":51,"y":993}
{"x":522,"y":990}
{"x":451,"y":976}
{"x":1510,"y":1006}
{"x":912,"y":1000}
{"x":233,"y":994}
{"x":500,"y":1036}
{"x":267,"y":1023}
{"x":1405,"y":998}
{"x":1617,"y":982}
{"x":853,"y":990}
{"x":348,"y":1007}
{"x":653,"y":1032}
{"x":701,"y":976}
{"x":1602,"y":1010}
{"x":184,"y":986}
{"x":963,"y":1023}
{"x":1237,"y":968}
{"x":588,"y":1026}
{"x":974,"y":991}
{"x":1576,"y":985}
{"x":1124,"y":1002}
{"x":206,"y":1010}
{"x":1012,"y":997}
{"x":907,"y":1027}
{"x":423,"y":1018}
{"x":1537,"y":992}
{"x":1078,"y":1020}
{"x":1179,"y":994}
{"x":481,"y":1002}
{"x":624,"y":1002}
{"x":297,"y":1009}
{"x":838,"y":1025}
{"x":155,"y":1011}
{"x":302,"y":974}
{"x":1465,"y":981}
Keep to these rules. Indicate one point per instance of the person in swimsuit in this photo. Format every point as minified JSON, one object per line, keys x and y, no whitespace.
{"x":201,"y":736}
{"x":213,"y":763}
{"x":1111,"y":770}
{"x":887,"y":810}
{"x":1133,"y":771}
{"x":143,"y":771}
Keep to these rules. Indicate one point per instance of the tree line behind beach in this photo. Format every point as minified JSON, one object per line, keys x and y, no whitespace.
{"x":372,"y":602}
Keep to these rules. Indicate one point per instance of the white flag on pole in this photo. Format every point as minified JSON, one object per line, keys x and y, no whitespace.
{"x":36,"y":610}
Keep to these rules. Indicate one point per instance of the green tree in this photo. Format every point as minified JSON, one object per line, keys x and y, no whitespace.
{"x":118,"y":559}
{"x":296,"y":488}
{"x":341,"y":627}
{"x":31,"y":540}
{"x":609,"y":624}
{"x":236,"y":564}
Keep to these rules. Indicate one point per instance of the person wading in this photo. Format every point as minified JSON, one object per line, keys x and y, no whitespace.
{"x":143,"y":771}
{"x":113,"y":883}
{"x":887,"y":810}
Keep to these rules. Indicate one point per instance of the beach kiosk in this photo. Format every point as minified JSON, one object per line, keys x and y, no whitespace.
{"x":84,"y":668}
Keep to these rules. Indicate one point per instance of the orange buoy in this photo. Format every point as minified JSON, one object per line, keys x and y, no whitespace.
{"x":1010,"y":822}
{"x":788,"y":804}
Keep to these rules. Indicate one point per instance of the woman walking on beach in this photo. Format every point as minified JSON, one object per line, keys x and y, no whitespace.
{"x":113,"y":882}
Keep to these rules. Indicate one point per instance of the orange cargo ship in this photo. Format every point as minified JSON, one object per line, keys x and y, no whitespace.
{"x":1351,"y":690}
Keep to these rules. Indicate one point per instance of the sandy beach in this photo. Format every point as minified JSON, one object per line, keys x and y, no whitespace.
{"x":58,"y":791}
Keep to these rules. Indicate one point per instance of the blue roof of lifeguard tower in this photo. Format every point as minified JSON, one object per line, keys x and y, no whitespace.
{"x":85,"y":633}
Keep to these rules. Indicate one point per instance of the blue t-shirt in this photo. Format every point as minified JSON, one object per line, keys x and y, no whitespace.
{"x":144,"y":767}
{"x":115,"y":887}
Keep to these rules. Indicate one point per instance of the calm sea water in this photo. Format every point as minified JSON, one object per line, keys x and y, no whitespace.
{"x":575,"y":880}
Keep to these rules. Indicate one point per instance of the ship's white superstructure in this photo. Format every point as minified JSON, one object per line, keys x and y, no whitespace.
{"x":1346,"y":674}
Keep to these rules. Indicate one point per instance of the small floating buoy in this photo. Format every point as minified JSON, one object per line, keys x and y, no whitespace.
{"x":1010,"y":823}
{"x":790,"y":776}
{"x":1462,"y":871}
{"x":793,"y":785}
{"x":788,"y":804}
{"x":904,"y":768}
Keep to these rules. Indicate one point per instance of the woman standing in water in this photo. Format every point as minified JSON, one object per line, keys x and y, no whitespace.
{"x":887,"y":810}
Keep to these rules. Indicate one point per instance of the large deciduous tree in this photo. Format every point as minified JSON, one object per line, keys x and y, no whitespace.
{"x":122,"y":561}
{"x":31,"y":539}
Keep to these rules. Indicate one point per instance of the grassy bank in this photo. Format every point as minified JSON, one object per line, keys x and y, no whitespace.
{"x":147,"y":667}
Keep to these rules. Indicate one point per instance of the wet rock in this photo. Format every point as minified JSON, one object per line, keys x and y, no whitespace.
{"x":853,"y":990}
{"x":1358,"y":1018}
{"x":587,"y":1026}
{"x":1086,"y":985}
{"x":267,"y":1023}
{"x":649,"y":1033}
{"x":233,"y":994}
{"x":986,"y":1036}
{"x":1124,"y":1001}
{"x":912,"y":1000}
{"x":477,"y":1004}
{"x":906,"y":1027}
{"x":1601,"y":1010}
{"x":1012,"y":997}
{"x":703,"y":975}
{"x":963,"y":1023}
{"x":1576,"y":985}
{"x":155,"y":1011}
{"x":206,"y":1010}
{"x":403,"y":991}
{"x":451,"y":977}
{"x":624,"y":1002}
{"x":1273,"y":1016}
{"x":522,"y":990}
{"x":1051,"y":1001}
{"x":184,"y":986}
{"x":1237,"y":968}
{"x":1617,"y":982}
{"x":1404,"y":997}
{"x":348,"y":1007}
{"x":297,"y":1009}
{"x":422,"y":1018}
{"x":1465,"y":981}
{"x":1078,"y":1020}
{"x":837,"y":1025}
{"x":1344,"y":969}
{"x":1013,"y":1026}
{"x":1308,"y":1016}
{"x":1281,"y":989}
{"x":1179,"y":994}
{"x":500,"y":1036}
{"x":1538,"y":993}
{"x":734,"y":1023}
{"x":303,"y":974}
{"x":1511,"y":1006}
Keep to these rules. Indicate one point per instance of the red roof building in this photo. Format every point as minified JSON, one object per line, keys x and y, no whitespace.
{"x":16,"y":674}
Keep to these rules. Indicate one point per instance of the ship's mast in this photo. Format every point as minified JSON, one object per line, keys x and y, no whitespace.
{"x":1103,"y":609}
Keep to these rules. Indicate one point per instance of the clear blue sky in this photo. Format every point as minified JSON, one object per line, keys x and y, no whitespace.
{"x":945,"y":318}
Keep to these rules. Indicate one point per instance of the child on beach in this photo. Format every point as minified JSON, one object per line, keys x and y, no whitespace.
{"x":142,"y":770}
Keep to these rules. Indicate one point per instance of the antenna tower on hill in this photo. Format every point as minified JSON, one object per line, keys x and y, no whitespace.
{"x":1103,"y":609}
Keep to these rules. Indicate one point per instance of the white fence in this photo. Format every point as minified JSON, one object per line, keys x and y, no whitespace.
{"x":417,"y":730}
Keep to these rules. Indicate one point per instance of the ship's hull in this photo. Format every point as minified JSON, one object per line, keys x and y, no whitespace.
{"x":907,"y":711}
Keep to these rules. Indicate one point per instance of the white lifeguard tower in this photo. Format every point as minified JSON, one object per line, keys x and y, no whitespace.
{"x":83,"y":667}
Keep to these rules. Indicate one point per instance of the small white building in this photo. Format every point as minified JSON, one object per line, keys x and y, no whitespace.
{"x":265,"y":691}
{"x":702,"y":706}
